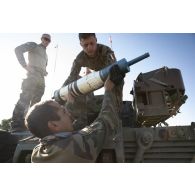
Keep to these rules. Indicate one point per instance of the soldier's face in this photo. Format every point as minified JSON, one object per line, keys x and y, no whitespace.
{"x":89,"y":45}
{"x":66,"y":120}
{"x":45,"y":41}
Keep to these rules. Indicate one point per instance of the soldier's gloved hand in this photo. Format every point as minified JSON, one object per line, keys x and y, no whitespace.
{"x":116,"y":75}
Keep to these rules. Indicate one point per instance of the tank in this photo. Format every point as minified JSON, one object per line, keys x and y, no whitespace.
{"x":157,"y":95}
{"x":8,"y":143}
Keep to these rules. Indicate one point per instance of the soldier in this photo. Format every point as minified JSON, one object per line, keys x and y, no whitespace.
{"x":33,"y":86}
{"x":94,"y":56}
{"x":59,"y":142}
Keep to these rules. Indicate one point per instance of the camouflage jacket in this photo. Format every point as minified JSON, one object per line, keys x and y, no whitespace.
{"x":81,"y":146}
{"x":37,"y":56}
{"x":104,"y":57}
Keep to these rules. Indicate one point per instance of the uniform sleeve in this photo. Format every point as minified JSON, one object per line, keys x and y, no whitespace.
{"x":85,"y":145}
{"x":111,"y":57}
{"x":20,"y":50}
{"x":75,"y":70}
{"x":108,"y":55}
{"x":89,"y":141}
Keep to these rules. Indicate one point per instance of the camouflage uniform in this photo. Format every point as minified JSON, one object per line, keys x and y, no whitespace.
{"x":84,"y":104}
{"x":34,"y":85}
{"x":104,"y":57}
{"x":80,"y":108}
{"x":81,"y":146}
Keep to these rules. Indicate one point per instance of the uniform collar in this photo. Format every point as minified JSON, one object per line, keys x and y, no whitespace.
{"x":42,"y":45}
{"x":57,"y":136}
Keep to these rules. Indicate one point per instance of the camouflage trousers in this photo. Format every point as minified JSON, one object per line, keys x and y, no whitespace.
{"x":33,"y":88}
{"x":86,"y":108}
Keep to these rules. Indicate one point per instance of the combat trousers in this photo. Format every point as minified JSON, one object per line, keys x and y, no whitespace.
{"x":84,"y":109}
{"x":33,"y":88}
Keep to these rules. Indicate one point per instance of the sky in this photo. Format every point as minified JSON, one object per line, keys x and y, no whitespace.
{"x":166,"y":49}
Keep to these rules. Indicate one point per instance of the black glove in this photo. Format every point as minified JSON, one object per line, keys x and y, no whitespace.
{"x":116,"y":75}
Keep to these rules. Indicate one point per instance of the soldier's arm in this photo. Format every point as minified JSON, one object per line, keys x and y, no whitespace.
{"x":20,"y":50}
{"x":90,"y":140}
{"x":75,"y":70}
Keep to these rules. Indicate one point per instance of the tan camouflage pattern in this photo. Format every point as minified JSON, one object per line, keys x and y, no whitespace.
{"x":80,"y":108}
{"x":33,"y":86}
{"x":84,"y":145}
{"x":37,"y":56}
{"x":86,"y":104}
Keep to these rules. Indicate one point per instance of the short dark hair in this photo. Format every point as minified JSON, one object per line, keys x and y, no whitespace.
{"x":86,"y":35}
{"x":38,"y":116}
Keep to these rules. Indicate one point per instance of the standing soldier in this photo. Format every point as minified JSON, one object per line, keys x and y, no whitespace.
{"x":33,"y":86}
{"x":94,"y":56}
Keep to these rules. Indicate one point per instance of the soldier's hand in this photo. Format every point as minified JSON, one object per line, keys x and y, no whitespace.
{"x":70,"y":98}
{"x":58,"y":99}
{"x":28,"y":68}
{"x":108,"y":85}
{"x":25,"y":67}
{"x":116,"y":75}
